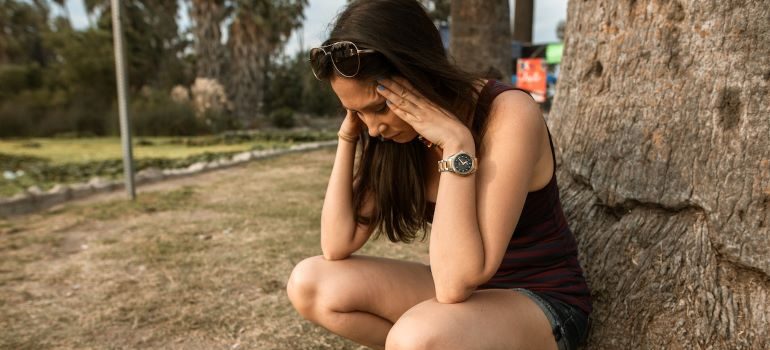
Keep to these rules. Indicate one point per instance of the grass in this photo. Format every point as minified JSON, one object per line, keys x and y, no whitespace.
{"x":197,"y":263}
{"x":46,"y":162}
{"x":80,"y":150}
{"x":64,"y":151}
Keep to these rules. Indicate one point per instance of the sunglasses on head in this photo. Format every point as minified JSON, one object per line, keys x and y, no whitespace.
{"x":344,"y":56}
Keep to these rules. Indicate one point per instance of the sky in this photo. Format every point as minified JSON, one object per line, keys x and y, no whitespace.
{"x":320,"y":13}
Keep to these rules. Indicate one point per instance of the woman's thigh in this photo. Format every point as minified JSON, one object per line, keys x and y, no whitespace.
{"x":489,"y":320}
{"x":381,"y":286}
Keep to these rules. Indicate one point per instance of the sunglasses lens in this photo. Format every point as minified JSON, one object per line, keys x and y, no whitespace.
{"x":319,"y":61}
{"x":345,"y":58}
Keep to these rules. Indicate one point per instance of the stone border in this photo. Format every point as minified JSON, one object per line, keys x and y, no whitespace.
{"x":37,"y":200}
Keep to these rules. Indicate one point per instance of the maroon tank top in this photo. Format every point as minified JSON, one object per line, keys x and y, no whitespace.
{"x":542,"y":253}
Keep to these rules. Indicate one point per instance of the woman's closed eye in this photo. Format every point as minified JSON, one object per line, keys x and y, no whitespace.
{"x":382,"y":109}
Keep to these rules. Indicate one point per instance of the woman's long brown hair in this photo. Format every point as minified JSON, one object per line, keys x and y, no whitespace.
{"x":407,"y":44}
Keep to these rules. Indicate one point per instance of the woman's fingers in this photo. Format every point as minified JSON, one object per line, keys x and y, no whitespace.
{"x":397,"y":96}
{"x":405,"y":115}
{"x":408,"y":86}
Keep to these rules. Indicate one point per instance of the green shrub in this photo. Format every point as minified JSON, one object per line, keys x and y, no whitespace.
{"x":43,"y":113}
{"x":22,"y":114}
{"x":157,"y":115}
{"x":220,"y":121}
{"x":17,"y":78}
{"x":283,"y":118}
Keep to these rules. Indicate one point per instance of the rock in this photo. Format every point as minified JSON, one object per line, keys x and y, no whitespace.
{"x":98,"y":183}
{"x":197,"y":167}
{"x":59,"y":188}
{"x":34,"y":190}
{"x":149,"y":174}
{"x":242,"y":157}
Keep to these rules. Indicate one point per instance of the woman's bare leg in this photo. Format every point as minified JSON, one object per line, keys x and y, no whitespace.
{"x":360,"y":297}
{"x":494,"y":319}
{"x":361,"y":327}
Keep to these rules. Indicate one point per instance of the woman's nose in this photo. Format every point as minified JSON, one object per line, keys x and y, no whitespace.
{"x":378,"y":130}
{"x":375,"y":128}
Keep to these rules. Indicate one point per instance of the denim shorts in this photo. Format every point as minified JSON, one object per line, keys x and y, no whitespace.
{"x":570,"y":325}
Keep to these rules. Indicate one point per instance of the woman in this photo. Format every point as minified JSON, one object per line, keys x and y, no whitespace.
{"x":472,"y":156}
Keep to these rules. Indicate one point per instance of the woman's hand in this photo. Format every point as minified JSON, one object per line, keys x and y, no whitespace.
{"x":351,"y":126}
{"x":434,"y":123}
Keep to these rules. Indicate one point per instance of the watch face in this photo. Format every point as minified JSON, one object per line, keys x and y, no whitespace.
{"x":463,"y":163}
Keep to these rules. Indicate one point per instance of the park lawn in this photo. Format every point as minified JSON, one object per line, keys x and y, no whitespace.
{"x":195,"y":263}
{"x":45,"y":162}
{"x":80,"y":150}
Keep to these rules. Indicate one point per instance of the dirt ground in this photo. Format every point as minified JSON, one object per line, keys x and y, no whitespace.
{"x":194,"y":263}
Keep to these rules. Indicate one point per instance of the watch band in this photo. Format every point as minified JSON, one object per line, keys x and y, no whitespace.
{"x":443,"y":166}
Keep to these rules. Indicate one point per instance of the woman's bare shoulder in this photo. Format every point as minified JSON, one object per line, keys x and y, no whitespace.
{"x":513,"y":109}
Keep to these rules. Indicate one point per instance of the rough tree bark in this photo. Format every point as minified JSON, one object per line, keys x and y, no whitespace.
{"x":258,"y":30}
{"x":662,"y":122}
{"x":481,"y":36}
{"x":207,"y":17}
{"x":247,"y":48}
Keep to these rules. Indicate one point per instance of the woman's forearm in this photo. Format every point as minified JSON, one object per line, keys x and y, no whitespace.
{"x":456,"y":247}
{"x":337,"y":217}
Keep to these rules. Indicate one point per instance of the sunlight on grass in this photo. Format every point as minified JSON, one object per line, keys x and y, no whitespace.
{"x":43,"y":163}
{"x":194,"y":266}
{"x":63,"y":151}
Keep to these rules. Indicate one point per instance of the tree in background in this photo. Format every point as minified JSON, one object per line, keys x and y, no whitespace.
{"x":524,"y":13}
{"x":55,"y":80}
{"x":153,"y":42}
{"x":560,"y":28}
{"x":292,"y":85}
{"x":22,"y":26}
{"x":210,"y":53}
{"x":439,"y":10}
{"x":662,"y":122}
{"x":258,"y":31}
{"x":481,"y":36}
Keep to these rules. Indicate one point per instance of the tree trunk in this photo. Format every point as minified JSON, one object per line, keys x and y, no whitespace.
{"x":481,"y":37}
{"x":522,"y":20}
{"x":247,"y":50}
{"x":210,"y":53}
{"x":662,"y":123}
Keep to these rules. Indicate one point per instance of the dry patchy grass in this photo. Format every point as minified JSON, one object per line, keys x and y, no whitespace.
{"x":198,"y":263}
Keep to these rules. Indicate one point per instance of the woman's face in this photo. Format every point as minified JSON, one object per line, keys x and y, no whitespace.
{"x":361,"y":98}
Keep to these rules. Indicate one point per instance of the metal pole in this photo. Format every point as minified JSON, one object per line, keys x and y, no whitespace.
{"x":120,"y":73}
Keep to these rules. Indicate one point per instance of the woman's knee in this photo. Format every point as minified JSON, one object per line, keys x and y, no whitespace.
{"x":411,"y":333}
{"x":302,"y":286}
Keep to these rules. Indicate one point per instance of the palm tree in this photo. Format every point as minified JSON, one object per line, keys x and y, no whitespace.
{"x":153,"y":42}
{"x":661,"y":122}
{"x":481,"y":36}
{"x":258,"y":30}
{"x":210,"y":53}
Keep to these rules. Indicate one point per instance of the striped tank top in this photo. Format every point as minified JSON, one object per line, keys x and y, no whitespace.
{"x":542,"y":253}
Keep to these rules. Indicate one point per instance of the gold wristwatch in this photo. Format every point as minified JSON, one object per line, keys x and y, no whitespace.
{"x":460,"y":163}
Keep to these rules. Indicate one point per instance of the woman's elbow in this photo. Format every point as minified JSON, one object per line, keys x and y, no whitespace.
{"x":333,"y":249}
{"x":453,"y":295}
{"x":331,"y":255}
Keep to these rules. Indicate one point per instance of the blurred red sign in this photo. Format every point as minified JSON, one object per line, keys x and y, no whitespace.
{"x":531,"y":76}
